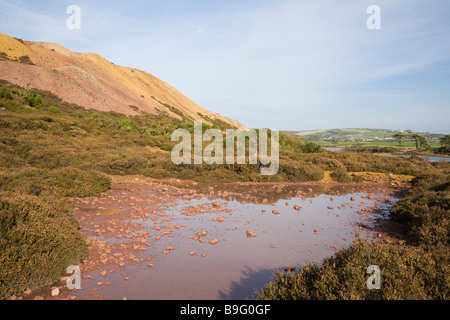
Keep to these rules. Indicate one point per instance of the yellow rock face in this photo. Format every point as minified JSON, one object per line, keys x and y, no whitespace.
{"x":12,"y":47}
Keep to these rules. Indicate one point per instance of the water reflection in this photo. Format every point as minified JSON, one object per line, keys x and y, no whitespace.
{"x":311,"y":223}
{"x":333,"y":148}
{"x":428,"y":158}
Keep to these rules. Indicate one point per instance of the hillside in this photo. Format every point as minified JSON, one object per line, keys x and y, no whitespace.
{"x":357,"y":135}
{"x":91,"y":81}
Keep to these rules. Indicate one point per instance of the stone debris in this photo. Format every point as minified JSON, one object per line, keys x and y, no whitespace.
{"x":250,"y":234}
{"x":55,"y":292}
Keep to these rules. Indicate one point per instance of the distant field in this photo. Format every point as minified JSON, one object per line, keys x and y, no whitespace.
{"x":371,"y":143}
{"x":360,"y":136}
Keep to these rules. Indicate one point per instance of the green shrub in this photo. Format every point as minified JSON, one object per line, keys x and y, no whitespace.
{"x":39,"y":239}
{"x":53,"y":109}
{"x":5,"y":93}
{"x":425,"y":210}
{"x":128,"y":125}
{"x":34,"y":100}
{"x":73,"y":182}
{"x":300,"y":171}
{"x":407,"y":272}
{"x":135,"y":165}
{"x":341,"y":175}
{"x":66,"y":182}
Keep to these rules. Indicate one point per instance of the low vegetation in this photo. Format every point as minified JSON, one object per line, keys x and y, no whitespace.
{"x":50,"y":150}
{"x":417,"y":269}
{"x":39,"y":239}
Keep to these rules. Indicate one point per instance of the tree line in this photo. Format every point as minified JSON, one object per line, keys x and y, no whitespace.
{"x":420,"y":141}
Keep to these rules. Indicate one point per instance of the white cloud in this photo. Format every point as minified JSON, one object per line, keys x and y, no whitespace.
{"x":305,"y":59}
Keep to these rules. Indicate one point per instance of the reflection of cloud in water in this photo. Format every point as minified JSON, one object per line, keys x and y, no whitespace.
{"x":238,"y":266}
{"x":272,"y":192}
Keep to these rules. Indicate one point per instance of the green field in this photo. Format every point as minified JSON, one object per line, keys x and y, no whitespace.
{"x":364,"y":137}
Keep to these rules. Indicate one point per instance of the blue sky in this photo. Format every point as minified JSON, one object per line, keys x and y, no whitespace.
{"x":293,"y":65}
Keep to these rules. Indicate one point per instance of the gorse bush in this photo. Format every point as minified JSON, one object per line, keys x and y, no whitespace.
{"x":66,"y":182}
{"x":425,"y":210}
{"x":128,"y":125}
{"x":39,"y":238}
{"x":341,"y":175}
{"x":53,"y":110}
{"x":5,"y":93}
{"x":33,"y":99}
{"x":406,"y":272}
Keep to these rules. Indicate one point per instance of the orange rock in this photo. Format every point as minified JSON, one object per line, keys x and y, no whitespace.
{"x":276,"y":212}
{"x":213,"y":241}
{"x":250,"y":234}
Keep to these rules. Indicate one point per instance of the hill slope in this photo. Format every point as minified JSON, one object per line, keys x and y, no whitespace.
{"x":333,"y":136}
{"x":93,"y":82}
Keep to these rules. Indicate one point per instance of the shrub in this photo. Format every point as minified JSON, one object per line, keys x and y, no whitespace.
{"x":39,"y":239}
{"x":33,"y":99}
{"x":407,"y":272}
{"x":53,"y":109}
{"x":5,"y":93}
{"x":135,"y":165}
{"x":425,"y":210}
{"x":300,"y":171}
{"x":73,"y":182}
{"x":66,"y":182}
{"x":341,"y":175}
{"x":25,"y":60}
{"x":128,"y":125}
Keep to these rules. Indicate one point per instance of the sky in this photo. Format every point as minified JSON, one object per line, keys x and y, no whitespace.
{"x":281,"y":64}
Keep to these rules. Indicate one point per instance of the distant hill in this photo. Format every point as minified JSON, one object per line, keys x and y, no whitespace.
{"x":93,"y":82}
{"x":356,"y":135}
